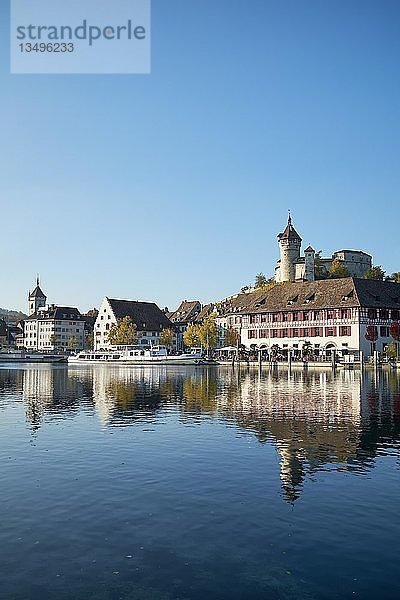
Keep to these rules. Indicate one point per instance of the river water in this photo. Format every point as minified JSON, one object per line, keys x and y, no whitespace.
{"x":192,"y":483}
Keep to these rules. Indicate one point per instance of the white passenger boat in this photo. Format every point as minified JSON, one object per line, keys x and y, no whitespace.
{"x":137,"y":355}
{"x":20,"y":356}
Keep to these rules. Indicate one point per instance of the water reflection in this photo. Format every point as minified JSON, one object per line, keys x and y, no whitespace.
{"x":316,"y":420}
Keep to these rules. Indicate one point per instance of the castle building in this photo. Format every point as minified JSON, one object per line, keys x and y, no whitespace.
{"x":291,"y":266}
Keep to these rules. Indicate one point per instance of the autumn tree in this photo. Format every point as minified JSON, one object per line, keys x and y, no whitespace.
{"x":391,"y":350}
{"x":123,"y":332}
{"x":167,"y":337}
{"x":208,"y":333}
{"x":231,"y":336}
{"x":395,"y":277}
{"x":338,"y":269}
{"x":73,"y":342}
{"x":191,"y":336}
{"x":89,"y":341}
{"x":375,"y":273}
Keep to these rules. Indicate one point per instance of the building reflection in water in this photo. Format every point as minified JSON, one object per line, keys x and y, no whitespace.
{"x":316,"y":420}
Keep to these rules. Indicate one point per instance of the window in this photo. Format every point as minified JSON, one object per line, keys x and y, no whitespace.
{"x":264,"y":318}
{"x":344,"y":331}
{"x":251,"y":334}
{"x":384,"y":313}
{"x":275,"y":318}
{"x":345,"y":313}
{"x":371,"y":313}
{"x":263,"y":333}
{"x":330,"y":331}
{"x":274,"y":333}
{"x":395,"y":315}
{"x":330,"y":313}
{"x":384,"y":332}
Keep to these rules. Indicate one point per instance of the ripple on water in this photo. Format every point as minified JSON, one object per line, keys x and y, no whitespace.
{"x":194,"y":483}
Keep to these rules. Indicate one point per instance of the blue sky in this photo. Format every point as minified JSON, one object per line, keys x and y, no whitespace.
{"x":175,"y":185}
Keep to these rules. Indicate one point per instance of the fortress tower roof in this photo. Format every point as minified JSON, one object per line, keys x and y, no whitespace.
{"x":289,"y":233}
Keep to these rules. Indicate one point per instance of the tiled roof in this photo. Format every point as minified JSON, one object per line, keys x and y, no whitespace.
{"x":378,"y":294}
{"x":327,"y":293}
{"x":289,"y":233}
{"x":205,"y":311}
{"x":238,"y":303}
{"x":60,"y":313}
{"x":147,"y":316}
{"x":185,"y":312}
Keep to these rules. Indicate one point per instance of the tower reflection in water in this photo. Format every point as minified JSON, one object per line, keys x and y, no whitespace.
{"x":316,"y":420}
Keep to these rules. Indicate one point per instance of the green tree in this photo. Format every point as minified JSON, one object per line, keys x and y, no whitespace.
{"x":275,"y":350}
{"x":307,"y":348}
{"x":73,"y":342}
{"x":338,"y":269}
{"x":375,"y":273}
{"x":167,"y":337}
{"x":208,"y":333}
{"x":260,"y":281}
{"x":53,"y":339}
{"x":89,"y":340}
{"x":191,"y":336}
{"x":231,"y":336}
{"x":123,"y":332}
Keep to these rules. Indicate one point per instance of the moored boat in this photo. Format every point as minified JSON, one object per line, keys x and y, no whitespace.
{"x":21,"y":356}
{"x":137,"y":355}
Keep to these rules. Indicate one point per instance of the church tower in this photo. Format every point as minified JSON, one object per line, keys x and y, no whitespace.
{"x":289,"y":247}
{"x":36,"y":299}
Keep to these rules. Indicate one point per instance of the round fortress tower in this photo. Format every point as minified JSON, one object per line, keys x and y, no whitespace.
{"x":289,"y":246}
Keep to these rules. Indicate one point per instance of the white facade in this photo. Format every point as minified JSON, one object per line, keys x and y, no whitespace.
{"x":107,"y":317}
{"x":54,"y":329}
{"x":326,"y":329}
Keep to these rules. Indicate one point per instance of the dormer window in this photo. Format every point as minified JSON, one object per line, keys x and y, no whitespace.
{"x":309,"y":299}
{"x":348,"y":296}
{"x":293,"y":299}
